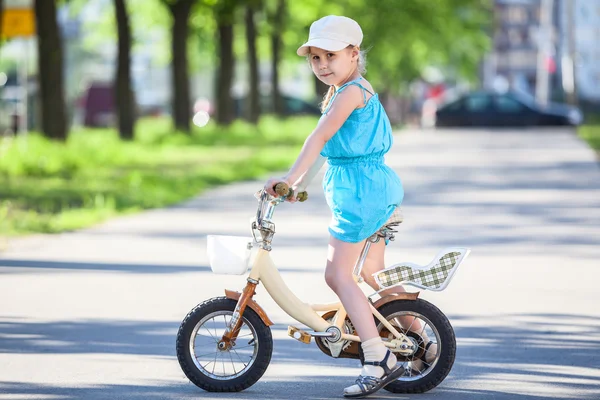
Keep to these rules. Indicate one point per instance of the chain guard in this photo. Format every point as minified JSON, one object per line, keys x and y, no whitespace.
{"x":349,"y":348}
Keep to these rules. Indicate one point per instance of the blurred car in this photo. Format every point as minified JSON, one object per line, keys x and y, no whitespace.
{"x":291,"y":106}
{"x":487,"y":108}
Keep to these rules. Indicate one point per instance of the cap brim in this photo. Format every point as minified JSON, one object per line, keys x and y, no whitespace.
{"x":325,"y":44}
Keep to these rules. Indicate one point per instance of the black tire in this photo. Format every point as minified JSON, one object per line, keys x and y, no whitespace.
{"x":447,"y":343}
{"x":254,"y":372}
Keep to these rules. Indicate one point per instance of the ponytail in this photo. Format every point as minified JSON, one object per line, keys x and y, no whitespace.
{"x":327,"y":98}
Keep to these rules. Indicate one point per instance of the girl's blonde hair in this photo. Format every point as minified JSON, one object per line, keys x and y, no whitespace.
{"x":361,"y":67}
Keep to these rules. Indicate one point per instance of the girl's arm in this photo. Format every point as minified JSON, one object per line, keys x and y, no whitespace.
{"x":330,"y":123}
{"x":310,"y":174}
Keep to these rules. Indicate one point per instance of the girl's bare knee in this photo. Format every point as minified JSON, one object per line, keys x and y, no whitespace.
{"x":336,"y":280}
{"x":331,"y":278}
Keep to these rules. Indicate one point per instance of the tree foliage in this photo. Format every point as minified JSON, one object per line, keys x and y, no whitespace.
{"x":403,"y":37}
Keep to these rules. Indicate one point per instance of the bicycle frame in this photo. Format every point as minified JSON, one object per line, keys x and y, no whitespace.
{"x":264,"y":270}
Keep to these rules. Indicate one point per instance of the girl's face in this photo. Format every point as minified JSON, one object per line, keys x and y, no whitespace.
{"x":333,"y":67}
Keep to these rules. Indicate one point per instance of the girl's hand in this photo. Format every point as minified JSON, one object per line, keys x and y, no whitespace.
{"x":269,"y":186}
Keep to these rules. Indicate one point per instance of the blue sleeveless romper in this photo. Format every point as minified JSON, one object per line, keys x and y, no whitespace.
{"x":361,"y":191}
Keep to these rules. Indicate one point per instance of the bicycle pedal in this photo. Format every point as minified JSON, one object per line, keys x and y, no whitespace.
{"x":299,"y":334}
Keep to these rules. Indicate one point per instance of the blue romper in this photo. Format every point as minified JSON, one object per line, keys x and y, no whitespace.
{"x":360,"y":189}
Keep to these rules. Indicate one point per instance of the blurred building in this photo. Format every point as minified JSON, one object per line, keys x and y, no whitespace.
{"x":516,"y":40}
{"x":513,"y":60}
{"x":586,"y":35}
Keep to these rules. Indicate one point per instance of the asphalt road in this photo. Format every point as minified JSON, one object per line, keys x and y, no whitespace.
{"x":93,"y":314}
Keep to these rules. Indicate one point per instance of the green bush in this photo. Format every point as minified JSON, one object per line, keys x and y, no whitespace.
{"x":590,"y":131}
{"x":48,"y":186}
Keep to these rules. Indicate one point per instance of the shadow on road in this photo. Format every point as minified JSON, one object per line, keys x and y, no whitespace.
{"x":8,"y":266}
{"x":490,"y":355}
{"x":16,"y":266}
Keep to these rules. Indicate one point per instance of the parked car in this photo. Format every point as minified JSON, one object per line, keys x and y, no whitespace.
{"x":291,"y":106}
{"x":486,"y":108}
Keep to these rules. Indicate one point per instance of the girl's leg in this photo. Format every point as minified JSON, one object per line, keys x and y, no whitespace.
{"x":374,"y":263}
{"x":341,"y":259}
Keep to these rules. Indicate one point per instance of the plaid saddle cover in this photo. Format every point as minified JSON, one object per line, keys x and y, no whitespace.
{"x":431,"y":278}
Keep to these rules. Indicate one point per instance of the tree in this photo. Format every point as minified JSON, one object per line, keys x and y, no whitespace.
{"x":124,"y":96}
{"x":181,"y":103}
{"x":50,"y":67}
{"x":224,"y":14}
{"x":253,"y":109}
{"x":277,"y":19}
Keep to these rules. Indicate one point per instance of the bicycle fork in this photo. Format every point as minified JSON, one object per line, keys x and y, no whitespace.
{"x":232,"y":331}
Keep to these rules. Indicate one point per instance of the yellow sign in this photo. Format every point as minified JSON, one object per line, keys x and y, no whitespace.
{"x":18,"y":22}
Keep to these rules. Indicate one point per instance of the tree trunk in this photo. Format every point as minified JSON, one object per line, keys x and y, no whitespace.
{"x":253,"y":108}
{"x":50,"y":67}
{"x":181,"y":102}
{"x":124,"y":97}
{"x":225,"y":104}
{"x":278,"y":21}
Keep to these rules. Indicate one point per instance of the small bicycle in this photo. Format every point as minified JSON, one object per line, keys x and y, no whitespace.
{"x":224,"y":344}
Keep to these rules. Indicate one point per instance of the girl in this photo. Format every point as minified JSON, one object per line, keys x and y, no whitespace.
{"x":353,"y":134}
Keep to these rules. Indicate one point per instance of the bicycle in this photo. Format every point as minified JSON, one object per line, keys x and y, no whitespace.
{"x":223,"y":333}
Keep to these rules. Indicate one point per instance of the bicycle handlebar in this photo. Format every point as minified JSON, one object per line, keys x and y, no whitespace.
{"x":267,"y":203}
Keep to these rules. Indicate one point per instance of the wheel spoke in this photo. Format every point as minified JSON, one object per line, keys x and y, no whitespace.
{"x":215,"y":326}
{"x":412,"y":323}
{"x":210,"y":333}
{"x":243,"y":347}
{"x":215,"y":364}
{"x":423,"y":330}
{"x":223,"y":362}
{"x":202,"y":355}
{"x":232,"y":364}
{"x":238,"y":356}
{"x":207,"y":364}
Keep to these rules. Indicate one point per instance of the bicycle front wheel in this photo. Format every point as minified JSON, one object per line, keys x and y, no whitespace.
{"x":229,"y":370}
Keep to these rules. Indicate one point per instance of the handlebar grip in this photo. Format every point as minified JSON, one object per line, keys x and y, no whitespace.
{"x":302,"y":196}
{"x":282,"y":189}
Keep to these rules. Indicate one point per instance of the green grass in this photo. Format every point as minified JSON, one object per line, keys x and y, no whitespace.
{"x":48,"y":187}
{"x":590,"y":132}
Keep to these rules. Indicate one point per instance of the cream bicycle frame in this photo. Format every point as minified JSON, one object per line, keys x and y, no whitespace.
{"x":264,"y":270}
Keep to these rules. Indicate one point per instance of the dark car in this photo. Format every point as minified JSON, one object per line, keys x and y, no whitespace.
{"x":505,"y":109}
{"x":291,"y":106}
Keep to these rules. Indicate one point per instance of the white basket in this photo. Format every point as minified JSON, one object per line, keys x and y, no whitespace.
{"x":228,"y":255}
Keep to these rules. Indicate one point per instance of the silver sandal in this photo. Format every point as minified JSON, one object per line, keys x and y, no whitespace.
{"x":370,"y":384}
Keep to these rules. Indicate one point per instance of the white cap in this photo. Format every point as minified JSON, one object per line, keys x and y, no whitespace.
{"x":332,"y":33}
